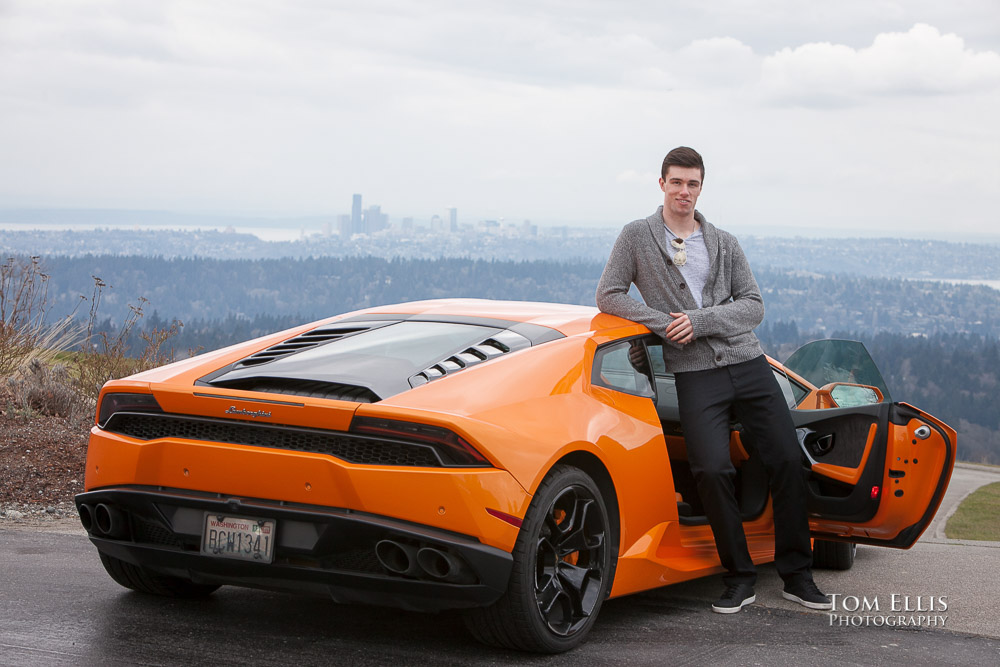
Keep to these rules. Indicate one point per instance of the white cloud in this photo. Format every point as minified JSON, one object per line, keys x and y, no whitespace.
{"x":546,"y":109}
{"x":718,"y":61}
{"x":921,"y":61}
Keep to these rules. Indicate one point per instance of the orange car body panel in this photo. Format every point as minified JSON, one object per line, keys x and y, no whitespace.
{"x":445,"y":500}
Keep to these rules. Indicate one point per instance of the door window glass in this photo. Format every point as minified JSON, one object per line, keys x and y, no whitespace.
{"x":792,"y":397}
{"x":656,"y":358}
{"x":824,"y":361}
{"x":623,"y":366}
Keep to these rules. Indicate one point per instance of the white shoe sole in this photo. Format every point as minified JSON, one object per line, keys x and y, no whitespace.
{"x":822,"y":606}
{"x":733,"y":610}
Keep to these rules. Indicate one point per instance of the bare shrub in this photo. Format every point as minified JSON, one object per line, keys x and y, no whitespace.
{"x":107,"y":356}
{"x":23,"y":295}
{"x":28,"y":347}
{"x":45,"y":389}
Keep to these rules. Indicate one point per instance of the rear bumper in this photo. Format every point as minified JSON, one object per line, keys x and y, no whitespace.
{"x":321,"y":550}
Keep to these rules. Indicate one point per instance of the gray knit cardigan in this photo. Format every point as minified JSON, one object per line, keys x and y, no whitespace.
{"x":732,"y":305}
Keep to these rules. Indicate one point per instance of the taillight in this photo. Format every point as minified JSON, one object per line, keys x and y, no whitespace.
{"x":121,"y":402}
{"x":452,"y":449}
{"x":503,"y":516}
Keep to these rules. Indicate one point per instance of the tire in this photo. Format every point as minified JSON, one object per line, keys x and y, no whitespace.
{"x":564,"y":561}
{"x":834,"y":555}
{"x":144,"y":581}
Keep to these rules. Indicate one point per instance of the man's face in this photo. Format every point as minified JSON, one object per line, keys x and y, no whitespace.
{"x":680,"y":190}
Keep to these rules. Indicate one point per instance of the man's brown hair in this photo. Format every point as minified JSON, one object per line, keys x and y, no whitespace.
{"x":682,"y":156}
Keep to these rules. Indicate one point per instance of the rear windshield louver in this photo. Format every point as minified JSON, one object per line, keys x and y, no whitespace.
{"x":311,"y":388}
{"x":301,"y":342}
{"x":488,"y":349}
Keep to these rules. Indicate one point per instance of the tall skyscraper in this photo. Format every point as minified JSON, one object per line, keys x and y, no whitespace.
{"x":452,"y":220}
{"x":344,"y":226}
{"x":375,"y":220}
{"x":356,"y":224}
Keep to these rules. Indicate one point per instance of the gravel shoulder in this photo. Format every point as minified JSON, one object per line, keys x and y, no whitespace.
{"x":42,"y":463}
{"x":53,"y":518}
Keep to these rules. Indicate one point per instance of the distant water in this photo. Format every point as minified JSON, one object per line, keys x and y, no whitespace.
{"x":277,"y":233}
{"x":289,"y":233}
{"x":995,"y":284}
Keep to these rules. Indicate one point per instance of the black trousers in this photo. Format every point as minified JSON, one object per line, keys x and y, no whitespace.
{"x":749,"y":389}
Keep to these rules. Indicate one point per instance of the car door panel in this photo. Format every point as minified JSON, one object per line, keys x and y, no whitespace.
{"x":876,"y":472}
{"x":846,"y":459}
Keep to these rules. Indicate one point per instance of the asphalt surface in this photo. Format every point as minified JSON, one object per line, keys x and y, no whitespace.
{"x":58,"y":607}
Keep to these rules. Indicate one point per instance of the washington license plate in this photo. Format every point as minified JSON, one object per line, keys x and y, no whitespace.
{"x":238,"y":537}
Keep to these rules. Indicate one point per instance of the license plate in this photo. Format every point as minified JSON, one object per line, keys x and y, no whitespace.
{"x":238,"y":537}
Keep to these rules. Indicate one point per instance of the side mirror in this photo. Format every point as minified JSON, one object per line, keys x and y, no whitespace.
{"x":846,"y":395}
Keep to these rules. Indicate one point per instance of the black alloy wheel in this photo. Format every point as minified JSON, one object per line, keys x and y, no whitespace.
{"x":563,"y":568}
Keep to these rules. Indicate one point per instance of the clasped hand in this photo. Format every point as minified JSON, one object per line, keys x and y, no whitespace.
{"x":680,"y":331}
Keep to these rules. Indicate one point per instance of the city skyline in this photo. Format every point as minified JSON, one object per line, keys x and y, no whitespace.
{"x":372,"y":220}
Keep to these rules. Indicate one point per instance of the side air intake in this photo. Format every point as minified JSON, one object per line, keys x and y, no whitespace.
{"x":497,"y":345}
{"x":309,"y":339}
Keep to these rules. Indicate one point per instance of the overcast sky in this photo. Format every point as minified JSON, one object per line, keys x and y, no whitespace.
{"x":859,"y":114}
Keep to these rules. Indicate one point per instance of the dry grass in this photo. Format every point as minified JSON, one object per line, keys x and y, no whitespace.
{"x":45,"y":389}
{"x":38,"y":384}
{"x":23,"y":300}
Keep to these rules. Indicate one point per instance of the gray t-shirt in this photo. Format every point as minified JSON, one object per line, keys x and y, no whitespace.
{"x":695,"y":270}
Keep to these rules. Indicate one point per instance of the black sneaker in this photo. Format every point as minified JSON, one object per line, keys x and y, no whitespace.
{"x":806,"y":593}
{"x":735,"y":598}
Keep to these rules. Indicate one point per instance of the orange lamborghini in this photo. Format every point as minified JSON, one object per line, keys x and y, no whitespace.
{"x":521,"y":461}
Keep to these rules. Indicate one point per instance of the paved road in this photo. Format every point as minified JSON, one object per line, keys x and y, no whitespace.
{"x":58,"y":607}
{"x":963,"y":571}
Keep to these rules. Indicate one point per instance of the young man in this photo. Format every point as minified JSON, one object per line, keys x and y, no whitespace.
{"x":701,"y":298}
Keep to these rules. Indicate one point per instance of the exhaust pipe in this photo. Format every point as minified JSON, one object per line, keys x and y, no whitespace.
{"x":436,"y":563}
{"x":109,"y":521}
{"x":443,"y":565}
{"x":87,"y":517}
{"x":397,"y":558}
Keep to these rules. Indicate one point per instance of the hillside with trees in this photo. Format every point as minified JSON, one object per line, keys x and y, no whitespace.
{"x":314,"y":287}
{"x":874,"y":257}
{"x":935,"y":342}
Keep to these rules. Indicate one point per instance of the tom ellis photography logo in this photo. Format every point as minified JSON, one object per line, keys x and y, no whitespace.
{"x":895,"y":610}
